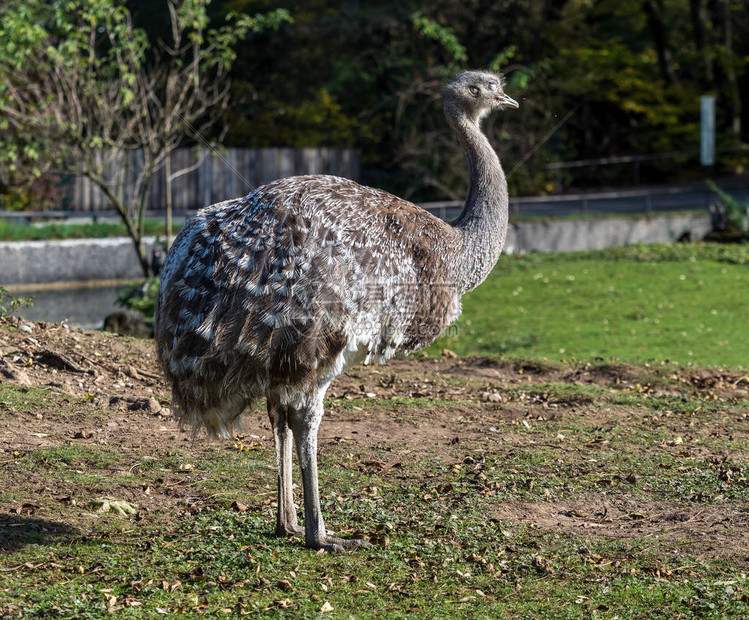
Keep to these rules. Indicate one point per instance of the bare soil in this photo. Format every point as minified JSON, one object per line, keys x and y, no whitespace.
{"x":107,"y":390}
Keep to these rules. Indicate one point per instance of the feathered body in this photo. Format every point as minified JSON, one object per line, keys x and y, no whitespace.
{"x":277,"y":293}
{"x":294,"y":283}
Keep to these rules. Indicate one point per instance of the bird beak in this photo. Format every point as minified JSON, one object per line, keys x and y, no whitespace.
{"x":506,"y":101}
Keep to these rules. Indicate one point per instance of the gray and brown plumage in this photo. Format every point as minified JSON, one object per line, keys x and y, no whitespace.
{"x":277,"y":293}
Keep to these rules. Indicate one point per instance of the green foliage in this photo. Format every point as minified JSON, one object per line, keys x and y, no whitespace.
{"x":80,"y":85}
{"x":369,"y":75}
{"x":319,"y":121}
{"x":442,"y":34}
{"x":737,"y":215}
{"x":141,"y":296}
{"x":385,"y":64}
{"x":11,"y":303}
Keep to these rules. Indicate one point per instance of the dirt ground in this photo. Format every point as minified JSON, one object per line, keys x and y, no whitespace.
{"x":98,"y":372}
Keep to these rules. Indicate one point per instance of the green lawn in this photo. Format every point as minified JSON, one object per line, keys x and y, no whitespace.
{"x":685,"y":303}
{"x":584,"y":490}
{"x":641,"y":522}
{"x":15,"y":231}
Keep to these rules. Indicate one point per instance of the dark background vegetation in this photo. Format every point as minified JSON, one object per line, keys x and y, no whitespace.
{"x":368,"y":74}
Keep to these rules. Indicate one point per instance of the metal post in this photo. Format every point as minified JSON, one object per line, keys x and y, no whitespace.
{"x":707,"y":130}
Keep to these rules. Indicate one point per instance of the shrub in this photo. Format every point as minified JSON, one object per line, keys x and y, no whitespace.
{"x":734,"y":224}
{"x":10,"y":303}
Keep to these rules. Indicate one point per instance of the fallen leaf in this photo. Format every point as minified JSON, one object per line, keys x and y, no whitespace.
{"x":102,"y":505}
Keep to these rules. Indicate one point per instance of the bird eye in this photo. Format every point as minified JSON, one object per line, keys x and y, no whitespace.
{"x":474,"y":90}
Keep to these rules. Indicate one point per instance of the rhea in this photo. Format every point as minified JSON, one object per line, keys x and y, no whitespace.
{"x":277,"y":293}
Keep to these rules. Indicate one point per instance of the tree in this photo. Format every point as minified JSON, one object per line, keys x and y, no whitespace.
{"x":81,"y":88}
{"x":632,"y":71}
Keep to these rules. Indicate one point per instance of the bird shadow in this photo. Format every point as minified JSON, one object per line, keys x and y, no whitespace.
{"x":16,"y":532}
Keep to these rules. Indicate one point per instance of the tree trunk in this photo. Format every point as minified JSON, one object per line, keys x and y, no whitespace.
{"x":655,"y":11}
{"x":734,"y":97}
{"x":140,"y":214}
{"x":168,"y":188}
{"x":699,"y":19}
{"x":135,"y":227}
{"x":145,"y":263}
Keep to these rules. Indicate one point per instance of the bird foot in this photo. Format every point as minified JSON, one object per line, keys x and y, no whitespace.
{"x":339,"y":545}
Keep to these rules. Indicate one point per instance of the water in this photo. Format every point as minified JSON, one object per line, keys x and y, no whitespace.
{"x":82,"y":306}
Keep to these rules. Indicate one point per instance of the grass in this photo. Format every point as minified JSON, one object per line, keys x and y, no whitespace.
{"x":15,"y":231}
{"x":458,"y":524}
{"x":443,"y":546}
{"x":16,"y":399}
{"x":195,"y":571}
{"x":638,"y":303}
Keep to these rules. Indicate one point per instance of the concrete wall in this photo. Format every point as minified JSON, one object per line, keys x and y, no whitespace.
{"x":74,"y":260}
{"x":42,"y":262}
{"x":596,"y":234}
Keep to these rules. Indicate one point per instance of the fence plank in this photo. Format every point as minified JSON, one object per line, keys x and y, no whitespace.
{"x":235,"y":172}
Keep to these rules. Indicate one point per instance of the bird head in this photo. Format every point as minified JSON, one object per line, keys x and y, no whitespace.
{"x":477,"y":93}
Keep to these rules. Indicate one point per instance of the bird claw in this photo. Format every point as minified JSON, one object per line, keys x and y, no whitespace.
{"x":340,"y":545}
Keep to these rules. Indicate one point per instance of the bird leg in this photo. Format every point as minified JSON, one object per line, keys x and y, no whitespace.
{"x":304,"y":424}
{"x":286,"y":519}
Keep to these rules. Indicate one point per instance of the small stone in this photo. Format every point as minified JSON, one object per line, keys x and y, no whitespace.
{"x":11,"y":372}
{"x":127,"y":323}
{"x":26,"y":328}
{"x":148,"y":405}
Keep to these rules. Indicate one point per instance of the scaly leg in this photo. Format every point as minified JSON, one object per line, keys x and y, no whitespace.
{"x":304,"y":424}
{"x":286,"y":519}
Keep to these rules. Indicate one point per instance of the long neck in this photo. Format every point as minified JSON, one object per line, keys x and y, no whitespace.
{"x":483,"y":222}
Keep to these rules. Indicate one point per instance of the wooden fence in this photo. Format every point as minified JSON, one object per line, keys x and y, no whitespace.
{"x":220,"y":175}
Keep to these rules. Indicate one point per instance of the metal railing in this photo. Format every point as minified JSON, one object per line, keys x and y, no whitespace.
{"x":646,"y":201}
